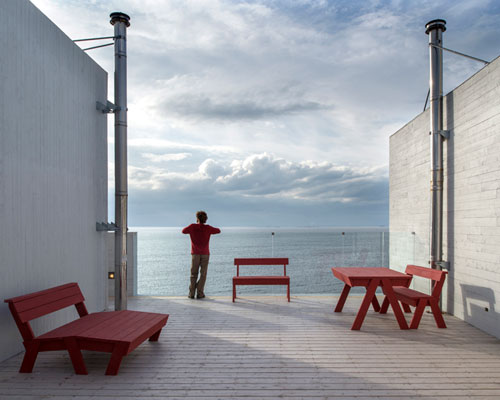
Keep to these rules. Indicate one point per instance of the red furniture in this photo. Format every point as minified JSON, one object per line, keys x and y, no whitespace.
{"x":261,"y":280}
{"x":409,"y":297}
{"x":371,"y":278}
{"x":115,"y":332}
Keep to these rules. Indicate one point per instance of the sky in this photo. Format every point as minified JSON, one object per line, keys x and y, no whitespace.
{"x":268,"y":112}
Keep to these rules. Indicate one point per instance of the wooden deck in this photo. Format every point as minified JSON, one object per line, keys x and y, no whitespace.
{"x":267,"y":348}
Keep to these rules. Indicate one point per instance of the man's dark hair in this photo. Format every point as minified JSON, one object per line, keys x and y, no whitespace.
{"x":201,"y":216}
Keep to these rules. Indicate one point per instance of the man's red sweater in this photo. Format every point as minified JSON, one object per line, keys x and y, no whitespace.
{"x":200,"y":236}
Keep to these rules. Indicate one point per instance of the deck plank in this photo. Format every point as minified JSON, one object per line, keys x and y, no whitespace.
{"x":264,"y":347}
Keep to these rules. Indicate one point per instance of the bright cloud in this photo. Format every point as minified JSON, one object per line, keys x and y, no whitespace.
{"x":263,"y":175}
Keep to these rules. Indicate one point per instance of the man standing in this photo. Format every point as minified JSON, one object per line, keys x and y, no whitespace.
{"x":200,"y":253}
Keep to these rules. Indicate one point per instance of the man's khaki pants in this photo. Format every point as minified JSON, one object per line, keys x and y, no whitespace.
{"x":199,"y":262}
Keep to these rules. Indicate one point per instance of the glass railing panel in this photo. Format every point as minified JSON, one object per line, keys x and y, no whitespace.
{"x":164,"y":258}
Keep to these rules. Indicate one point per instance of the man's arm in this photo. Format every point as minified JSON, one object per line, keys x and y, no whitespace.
{"x":187,"y":229}
{"x":214,"y":231}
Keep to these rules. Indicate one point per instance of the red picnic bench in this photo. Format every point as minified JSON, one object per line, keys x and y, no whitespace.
{"x":115,"y":332}
{"x":410,"y":297}
{"x":261,"y":280}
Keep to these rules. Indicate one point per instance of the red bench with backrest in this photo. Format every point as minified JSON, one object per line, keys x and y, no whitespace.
{"x":261,"y":280}
{"x":410,"y":297}
{"x":115,"y":332}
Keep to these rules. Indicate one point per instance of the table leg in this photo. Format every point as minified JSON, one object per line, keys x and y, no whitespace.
{"x":342,"y":298}
{"x":393,"y":301}
{"x":370,"y":292}
{"x":385,"y":305}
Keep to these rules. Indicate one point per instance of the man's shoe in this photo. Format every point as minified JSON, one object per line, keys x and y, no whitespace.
{"x":191,"y":297}
{"x":200,"y":297}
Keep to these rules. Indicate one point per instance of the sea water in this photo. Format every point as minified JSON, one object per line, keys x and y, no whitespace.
{"x":164,"y":258}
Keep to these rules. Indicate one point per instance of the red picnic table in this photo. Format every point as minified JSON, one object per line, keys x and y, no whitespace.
{"x":371,"y":278}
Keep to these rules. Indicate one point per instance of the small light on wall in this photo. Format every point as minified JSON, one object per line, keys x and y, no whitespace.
{"x":111,"y":275}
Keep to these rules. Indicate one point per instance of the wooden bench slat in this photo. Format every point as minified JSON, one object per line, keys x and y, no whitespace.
{"x":25,"y":304}
{"x":410,"y":293}
{"x":260,"y":261}
{"x":42,"y":292}
{"x":44,"y":309}
{"x":76,"y":327}
{"x":122,"y":326}
{"x":425,"y":272}
{"x":258,"y":279}
{"x":284,"y":277}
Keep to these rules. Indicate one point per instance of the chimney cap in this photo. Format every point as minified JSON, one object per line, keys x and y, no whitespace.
{"x":119,"y":17}
{"x":435,"y":24}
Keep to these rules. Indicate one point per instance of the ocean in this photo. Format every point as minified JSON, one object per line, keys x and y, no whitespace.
{"x":164,"y":260}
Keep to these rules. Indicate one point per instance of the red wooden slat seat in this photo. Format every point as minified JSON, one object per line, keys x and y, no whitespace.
{"x":116,"y":332}
{"x":254,"y":280}
{"x":261,"y":279}
{"x":409,"y":296}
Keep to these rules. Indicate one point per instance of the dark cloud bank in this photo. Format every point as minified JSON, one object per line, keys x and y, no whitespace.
{"x":262,"y":191}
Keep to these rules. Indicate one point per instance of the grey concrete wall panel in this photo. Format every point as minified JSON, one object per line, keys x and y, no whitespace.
{"x":53,"y":166}
{"x":471,"y":224}
{"x":131,"y":263}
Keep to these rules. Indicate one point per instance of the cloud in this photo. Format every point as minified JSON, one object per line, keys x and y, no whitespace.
{"x":264,"y":175}
{"x":158,"y":158}
{"x":202,"y":106}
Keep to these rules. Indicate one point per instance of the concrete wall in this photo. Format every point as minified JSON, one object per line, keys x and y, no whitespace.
{"x":471,"y":198}
{"x":131,"y":263}
{"x":53,"y":167}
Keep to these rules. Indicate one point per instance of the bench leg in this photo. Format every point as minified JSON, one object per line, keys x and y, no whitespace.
{"x":115,"y":360}
{"x":438,"y":317}
{"x":155,"y":336}
{"x":29,"y":357}
{"x":419,"y":311}
{"x":234,"y":292}
{"x":76,"y":356}
{"x":288,"y":292}
{"x":406,"y":308}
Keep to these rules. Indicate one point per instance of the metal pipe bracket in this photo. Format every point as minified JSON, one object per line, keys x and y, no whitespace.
{"x":443,"y":265}
{"x":107,"y":108}
{"x":106,"y":227}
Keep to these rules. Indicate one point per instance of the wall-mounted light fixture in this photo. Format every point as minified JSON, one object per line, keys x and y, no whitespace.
{"x":111,"y":275}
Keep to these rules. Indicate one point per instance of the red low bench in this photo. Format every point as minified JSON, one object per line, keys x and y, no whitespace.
{"x":410,"y":297}
{"x":115,"y":332}
{"x":261,"y":280}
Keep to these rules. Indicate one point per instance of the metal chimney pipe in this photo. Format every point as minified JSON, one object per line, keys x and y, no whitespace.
{"x":435,"y":29}
{"x":120,"y":21}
